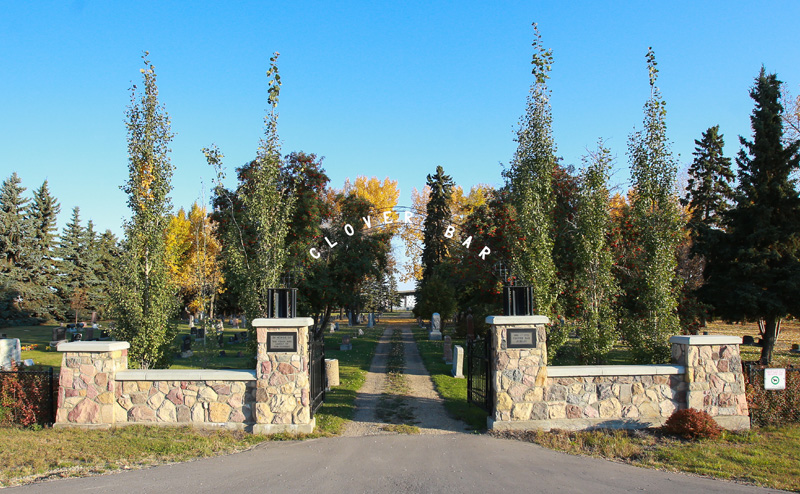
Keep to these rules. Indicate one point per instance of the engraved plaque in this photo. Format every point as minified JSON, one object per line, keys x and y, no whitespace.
{"x":521,"y":338}
{"x":282,"y":342}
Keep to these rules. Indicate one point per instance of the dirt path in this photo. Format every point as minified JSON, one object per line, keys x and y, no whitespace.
{"x":424,"y":402}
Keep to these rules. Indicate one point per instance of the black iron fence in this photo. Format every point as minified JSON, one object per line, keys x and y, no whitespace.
{"x":28,"y":396}
{"x":316,"y":368}
{"x":479,"y":383}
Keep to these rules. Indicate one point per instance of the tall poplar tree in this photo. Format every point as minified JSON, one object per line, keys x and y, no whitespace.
{"x":141,"y":294}
{"x":255,"y":219}
{"x":656,"y":224}
{"x":530,"y":181}
{"x":595,"y":284}
{"x":755,"y":271}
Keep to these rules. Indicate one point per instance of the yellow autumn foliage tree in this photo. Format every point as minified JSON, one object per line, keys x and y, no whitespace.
{"x":193,"y":253}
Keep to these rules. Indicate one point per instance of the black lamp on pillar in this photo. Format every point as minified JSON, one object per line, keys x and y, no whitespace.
{"x":517,"y":299}
{"x":282,"y":302}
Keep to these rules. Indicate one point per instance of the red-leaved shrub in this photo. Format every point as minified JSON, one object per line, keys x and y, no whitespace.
{"x":692,"y":424}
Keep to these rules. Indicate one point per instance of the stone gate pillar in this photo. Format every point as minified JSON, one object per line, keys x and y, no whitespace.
{"x":283,"y":387}
{"x":518,"y":352}
{"x":714,"y":377}
{"x":87,"y":393}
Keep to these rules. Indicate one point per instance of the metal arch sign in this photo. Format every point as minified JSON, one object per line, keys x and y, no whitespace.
{"x":775,"y":379}
{"x":388,"y":217}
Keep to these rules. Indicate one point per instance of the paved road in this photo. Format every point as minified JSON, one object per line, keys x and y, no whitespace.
{"x":458,"y":463}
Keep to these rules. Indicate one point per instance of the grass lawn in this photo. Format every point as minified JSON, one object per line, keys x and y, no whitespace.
{"x":762,"y":456}
{"x":454,"y":391}
{"x":29,"y":455}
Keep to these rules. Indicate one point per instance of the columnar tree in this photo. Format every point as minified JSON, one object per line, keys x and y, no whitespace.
{"x":257,"y":215}
{"x":530,"y":183}
{"x":755,"y":271}
{"x":656,"y":225}
{"x":143,"y":298}
{"x":437,"y":218}
{"x":596,"y":287}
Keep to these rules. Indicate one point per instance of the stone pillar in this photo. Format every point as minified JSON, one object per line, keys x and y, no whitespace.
{"x":283,"y":386}
{"x":715,"y":382}
{"x":519,"y":369}
{"x":87,"y":393}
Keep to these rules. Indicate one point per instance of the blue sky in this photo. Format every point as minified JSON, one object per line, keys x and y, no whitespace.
{"x":379,"y":89}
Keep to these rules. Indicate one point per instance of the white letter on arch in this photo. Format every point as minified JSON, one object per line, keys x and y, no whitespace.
{"x":408,"y":215}
{"x":387,"y":217}
{"x":348,"y":229}
{"x":331,"y":245}
{"x":314,"y":253}
{"x":485,"y":252}
{"x":450,"y":231}
{"x":466,"y":243}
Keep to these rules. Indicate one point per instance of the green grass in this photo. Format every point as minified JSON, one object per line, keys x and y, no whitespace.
{"x":452,"y":390}
{"x":28,"y":455}
{"x":762,"y":456}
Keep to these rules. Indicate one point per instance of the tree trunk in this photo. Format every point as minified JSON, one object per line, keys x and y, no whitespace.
{"x":771,"y":325}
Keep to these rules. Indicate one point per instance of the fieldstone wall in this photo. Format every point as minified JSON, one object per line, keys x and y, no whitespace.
{"x":87,"y":382}
{"x":97,"y":389}
{"x":147,"y":397}
{"x":705,"y":374}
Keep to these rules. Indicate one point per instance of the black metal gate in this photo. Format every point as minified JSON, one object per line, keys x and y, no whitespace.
{"x":479,"y":382}
{"x":316,"y":367}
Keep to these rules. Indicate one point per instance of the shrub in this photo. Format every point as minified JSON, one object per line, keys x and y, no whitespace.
{"x":692,"y":424}
{"x":773,"y":407}
{"x":23,"y":403}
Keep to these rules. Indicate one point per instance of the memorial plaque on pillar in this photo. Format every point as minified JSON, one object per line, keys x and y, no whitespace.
{"x":521,"y":338}
{"x":282,"y":342}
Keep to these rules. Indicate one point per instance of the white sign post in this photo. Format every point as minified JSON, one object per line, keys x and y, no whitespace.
{"x":774,"y":378}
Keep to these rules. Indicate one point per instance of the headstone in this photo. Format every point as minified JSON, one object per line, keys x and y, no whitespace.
{"x":186,"y":347}
{"x":332,"y":372}
{"x":448,"y":350}
{"x":331,"y":327}
{"x":360,"y":332}
{"x":28,"y":362}
{"x":10,"y":352}
{"x":221,"y":339}
{"x":201,"y":333}
{"x":346,"y":345}
{"x":349,"y":318}
{"x":336,"y":326}
{"x":94,"y":317}
{"x":371,"y":321}
{"x":458,"y":361}
{"x":436,"y":322}
{"x":191,"y":320}
{"x":222,"y":353}
{"x":193,"y":331}
{"x":795,"y":348}
{"x":436,"y":327}
{"x":470,"y":327}
{"x":88,"y":334}
{"x":748,"y":340}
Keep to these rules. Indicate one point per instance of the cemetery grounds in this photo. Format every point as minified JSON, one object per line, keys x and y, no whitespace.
{"x":764,"y":456}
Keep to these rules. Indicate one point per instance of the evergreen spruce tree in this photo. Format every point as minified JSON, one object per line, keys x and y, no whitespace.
{"x":708,"y":193}
{"x":14,"y":246}
{"x":595,"y":284}
{"x":142,"y":295}
{"x":42,"y":266}
{"x":13,"y":224}
{"x":437,"y":219}
{"x":754,"y":272}
{"x":656,"y":224}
